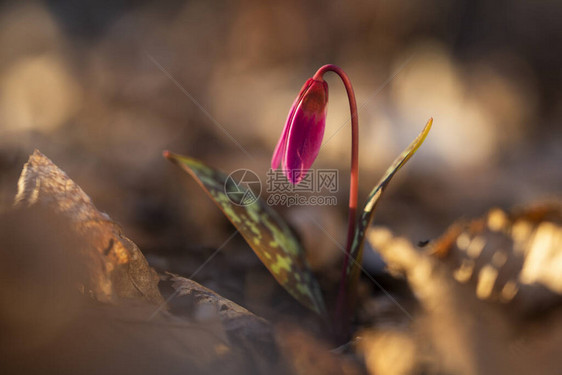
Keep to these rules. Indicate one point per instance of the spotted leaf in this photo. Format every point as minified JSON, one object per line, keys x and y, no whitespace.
{"x":374,"y":197}
{"x":263,"y":229}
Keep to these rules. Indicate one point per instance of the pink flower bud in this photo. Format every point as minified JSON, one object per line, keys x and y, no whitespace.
{"x":301,"y":139}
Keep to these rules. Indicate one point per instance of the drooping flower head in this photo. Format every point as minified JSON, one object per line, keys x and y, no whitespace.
{"x":302,"y":135}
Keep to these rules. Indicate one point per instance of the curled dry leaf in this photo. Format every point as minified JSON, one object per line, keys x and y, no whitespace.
{"x":116,"y":267}
{"x":56,"y":239}
{"x":513,"y":258}
{"x":481,"y":287}
{"x":49,"y":328}
{"x":246,"y":331}
{"x":234,"y":317}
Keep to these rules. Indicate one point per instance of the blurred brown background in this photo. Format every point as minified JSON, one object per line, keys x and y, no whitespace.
{"x":102,"y":87}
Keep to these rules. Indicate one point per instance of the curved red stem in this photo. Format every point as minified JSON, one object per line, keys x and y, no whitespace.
{"x":342,"y":313}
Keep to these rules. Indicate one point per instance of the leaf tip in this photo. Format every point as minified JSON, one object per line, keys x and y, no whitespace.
{"x":167,"y":154}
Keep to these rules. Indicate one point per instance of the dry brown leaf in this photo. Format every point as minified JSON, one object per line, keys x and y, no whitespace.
{"x":477,"y":285}
{"x":54,"y":241}
{"x":49,"y":327}
{"x":513,"y":258}
{"x":117,"y":268}
{"x":245,"y":330}
{"x":233,"y":317}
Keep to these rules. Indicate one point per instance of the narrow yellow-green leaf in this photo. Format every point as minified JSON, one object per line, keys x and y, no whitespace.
{"x":374,"y":197}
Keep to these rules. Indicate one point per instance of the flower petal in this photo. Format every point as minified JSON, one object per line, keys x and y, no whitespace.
{"x":303,"y":145}
{"x":306,"y":132}
{"x":280,"y":148}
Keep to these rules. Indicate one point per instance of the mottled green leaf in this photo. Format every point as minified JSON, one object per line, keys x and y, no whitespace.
{"x":374,"y":197}
{"x":263,"y":229}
